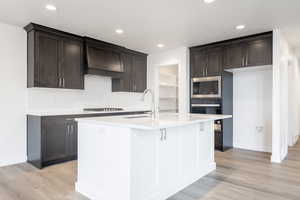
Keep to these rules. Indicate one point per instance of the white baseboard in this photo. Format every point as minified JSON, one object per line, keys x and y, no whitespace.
{"x":295,"y":139}
{"x":12,"y":162}
{"x":275,"y":159}
{"x":253,"y":148}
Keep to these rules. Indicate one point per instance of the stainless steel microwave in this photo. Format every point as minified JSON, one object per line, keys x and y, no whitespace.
{"x":206,"y":87}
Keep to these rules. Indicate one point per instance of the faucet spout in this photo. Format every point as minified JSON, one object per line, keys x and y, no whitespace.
{"x":153,"y":107}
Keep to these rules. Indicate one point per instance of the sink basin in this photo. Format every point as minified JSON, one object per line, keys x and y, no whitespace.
{"x":136,"y":117}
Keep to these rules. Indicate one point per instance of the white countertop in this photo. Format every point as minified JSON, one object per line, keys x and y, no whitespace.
{"x":81,"y":112}
{"x":144,"y":121}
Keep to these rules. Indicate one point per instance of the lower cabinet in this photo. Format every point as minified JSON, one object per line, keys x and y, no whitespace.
{"x":172,"y":158}
{"x":58,"y":140}
{"x":53,"y":139}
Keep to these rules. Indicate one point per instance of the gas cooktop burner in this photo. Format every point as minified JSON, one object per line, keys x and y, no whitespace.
{"x":102,"y":109}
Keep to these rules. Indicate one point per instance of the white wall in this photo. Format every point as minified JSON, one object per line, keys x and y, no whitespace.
{"x":285,"y":97}
{"x":252,"y":109}
{"x":13,"y":94}
{"x":97,"y":93}
{"x":178,"y":56}
{"x":16,"y":100}
{"x":293,"y":99}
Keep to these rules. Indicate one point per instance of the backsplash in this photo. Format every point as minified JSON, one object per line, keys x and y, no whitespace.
{"x":97,"y":93}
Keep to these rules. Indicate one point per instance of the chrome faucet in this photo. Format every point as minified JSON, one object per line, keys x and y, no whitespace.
{"x":153,"y":107}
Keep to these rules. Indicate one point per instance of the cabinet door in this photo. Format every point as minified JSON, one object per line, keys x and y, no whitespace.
{"x":214,"y":61}
{"x":168,"y":159}
{"x":234,"y":55}
{"x":55,"y":139}
{"x":125,"y":82}
{"x":145,"y":153}
{"x":47,"y":51}
{"x":259,"y":52}
{"x":198,"y":63}
{"x":218,"y":140}
{"x":189,"y":144}
{"x":71,"y":67}
{"x":206,"y":143}
{"x":139,"y":67}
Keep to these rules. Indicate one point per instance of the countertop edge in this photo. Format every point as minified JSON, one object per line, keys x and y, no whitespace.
{"x":93,"y":120}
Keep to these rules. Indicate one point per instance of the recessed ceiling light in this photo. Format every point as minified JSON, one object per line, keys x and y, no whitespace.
{"x":240,"y":27}
{"x":208,"y":1}
{"x":119,"y":31}
{"x":50,"y":7}
{"x":160,"y":45}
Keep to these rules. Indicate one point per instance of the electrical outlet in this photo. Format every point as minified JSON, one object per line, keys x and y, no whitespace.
{"x":259,"y":129}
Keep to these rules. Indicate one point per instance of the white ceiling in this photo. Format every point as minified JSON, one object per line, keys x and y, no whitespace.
{"x":149,"y":22}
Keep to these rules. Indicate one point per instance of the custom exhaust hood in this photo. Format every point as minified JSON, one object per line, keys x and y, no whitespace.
{"x":102,"y":58}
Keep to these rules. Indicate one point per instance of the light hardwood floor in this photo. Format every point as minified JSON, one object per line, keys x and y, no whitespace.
{"x":240,"y":175}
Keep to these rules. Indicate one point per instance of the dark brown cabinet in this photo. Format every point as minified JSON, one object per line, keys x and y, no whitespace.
{"x":256,"y":51}
{"x":213,"y":59}
{"x":60,"y":139}
{"x":139,"y":73}
{"x":54,"y":139}
{"x":51,"y":139}
{"x":55,"y":58}
{"x":234,"y":55}
{"x":259,"y":52}
{"x":134,"y":77}
{"x":198,"y":62}
{"x":71,"y":69}
{"x":47,"y":60}
{"x":206,"y":61}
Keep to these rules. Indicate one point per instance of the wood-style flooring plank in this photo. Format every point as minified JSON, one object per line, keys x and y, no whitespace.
{"x":240,"y":175}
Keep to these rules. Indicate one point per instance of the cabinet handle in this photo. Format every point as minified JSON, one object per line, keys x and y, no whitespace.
{"x":63,"y":82}
{"x":72,"y":129}
{"x":68,"y":131}
{"x":59,"y":82}
{"x":246,"y":60}
{"x":206,"y":71}
{"x":161,"y":134}
{"x":243,"y":62}
{"x":165,"y":130}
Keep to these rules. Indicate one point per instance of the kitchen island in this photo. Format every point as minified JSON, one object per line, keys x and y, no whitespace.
{"x":137,"y":158}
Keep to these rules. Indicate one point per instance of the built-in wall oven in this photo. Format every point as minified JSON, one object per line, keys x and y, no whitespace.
{"x":206,"y":87}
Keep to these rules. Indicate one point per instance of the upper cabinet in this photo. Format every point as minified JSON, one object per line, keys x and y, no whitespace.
{"x":249,"y":52}
{"x":259,"y":51}
{"x":55,"y":58}
{"x":212,"y":59}
{"x":206,"y":61}
{"x":234,"y":55}
{"x":198,"y":62}
{"x":134,"y":78}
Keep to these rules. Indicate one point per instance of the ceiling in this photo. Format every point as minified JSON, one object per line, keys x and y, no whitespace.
{"x":149,"y":22}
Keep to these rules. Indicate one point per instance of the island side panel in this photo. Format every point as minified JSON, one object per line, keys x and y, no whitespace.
{"x":103,"y":161}
{"x":162,"y":166}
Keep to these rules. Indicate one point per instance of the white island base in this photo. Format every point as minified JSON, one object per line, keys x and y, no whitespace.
{"x":126,"y":163}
